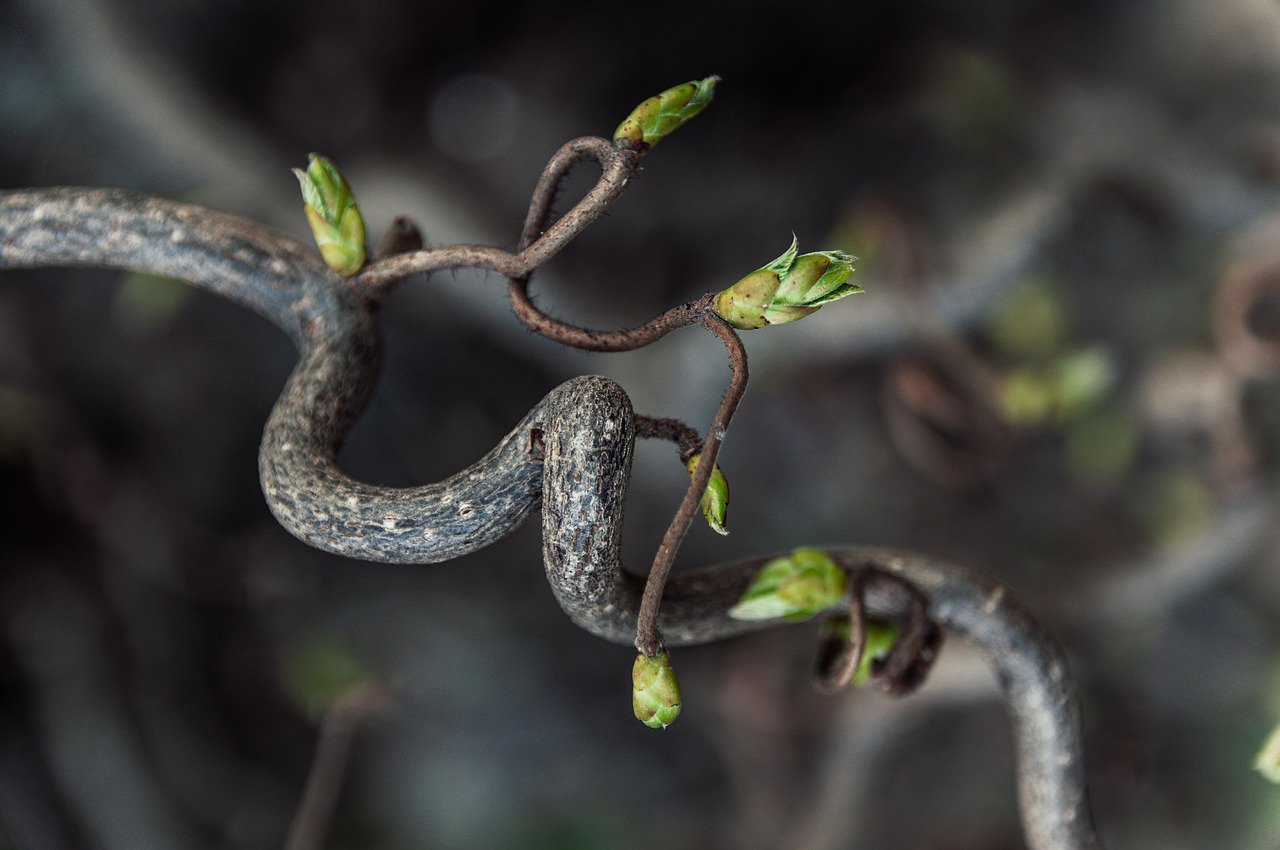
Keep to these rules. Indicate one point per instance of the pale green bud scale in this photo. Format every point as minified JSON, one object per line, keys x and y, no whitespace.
{"x":715,"y":500}
{"x":655,"y":692}
{"x":787,"y":289}
{"x":663,"y":114}
{"x":335,"y":220}
{"x":794,"y":587}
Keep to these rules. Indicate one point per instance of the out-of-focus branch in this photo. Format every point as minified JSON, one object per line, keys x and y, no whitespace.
{"x":863,"y":730}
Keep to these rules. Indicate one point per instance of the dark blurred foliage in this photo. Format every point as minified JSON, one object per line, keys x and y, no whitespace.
{"x":1040,"y":382}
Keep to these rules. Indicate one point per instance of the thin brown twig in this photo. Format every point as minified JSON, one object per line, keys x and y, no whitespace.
{"x":648,"y":639}
{"x":616,"y":168}
{"x":837,"y":666}
{"x":587,"y":339}
{"x":907,"y":664}
{"x":686,"y":438}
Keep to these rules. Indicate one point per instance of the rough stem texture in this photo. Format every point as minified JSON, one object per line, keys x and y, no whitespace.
{"x":588,"y":430}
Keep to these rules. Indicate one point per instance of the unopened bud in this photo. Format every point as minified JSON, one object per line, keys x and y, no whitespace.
{"x":655,"y":692}
{"x":794,"y":587}
{"x":790,"y":288}
{"x":715,"y":500}
{"x":331,"y":211}
{"x":663,"y":114}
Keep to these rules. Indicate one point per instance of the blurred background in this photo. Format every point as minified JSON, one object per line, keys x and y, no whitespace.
{"x":1065,"y":371}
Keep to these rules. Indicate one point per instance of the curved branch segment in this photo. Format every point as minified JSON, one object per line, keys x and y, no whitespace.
{"x":238,"y":259}
{"x":320,"y":504}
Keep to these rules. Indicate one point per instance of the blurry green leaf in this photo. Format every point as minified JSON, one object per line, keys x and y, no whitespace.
{"x":1268,"y":761}
{"x":863,"y":233}
{"x":973,"y":99}
{"x":1027,"y":396}
{"x":1031,"y":325}
{"x":1100,"y":447}
{"x":1178,"y":505}
{"x":1081,"y":380}
{"x":1061,"y":390}
{"x":146,"y":303}
{"x":317,"y":672}
{"x":579,"y":828}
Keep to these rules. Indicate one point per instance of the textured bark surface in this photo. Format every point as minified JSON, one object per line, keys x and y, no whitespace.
{"x":580,"y":475}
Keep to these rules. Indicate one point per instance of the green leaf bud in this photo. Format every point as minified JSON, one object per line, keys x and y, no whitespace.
{"x":655,"y":692}
{"x":331,"y":211}
{"x":793,"y":587}
{"x":787,"y":289}
{"x":663,"y":114}
{"x":715,"y":500}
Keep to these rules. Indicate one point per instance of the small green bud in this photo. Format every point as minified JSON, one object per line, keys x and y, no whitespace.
{"x":663,"y":114}
{"x":715,"y":501}
{"x":794,"y":587}
{"x":655,"y":692}
{"x":788,"y":289}
{"x":331,"y":211}
{"x":1268,"y":760}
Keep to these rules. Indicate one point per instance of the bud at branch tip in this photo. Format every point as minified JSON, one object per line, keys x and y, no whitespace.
{"x":655,"y":692}
{"x":663,"y":114}
{"x":787,"y":289}
{"x":331,"y":211}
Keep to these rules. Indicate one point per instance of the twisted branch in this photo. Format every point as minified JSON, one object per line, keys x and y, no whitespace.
{"x":572,"y":453}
